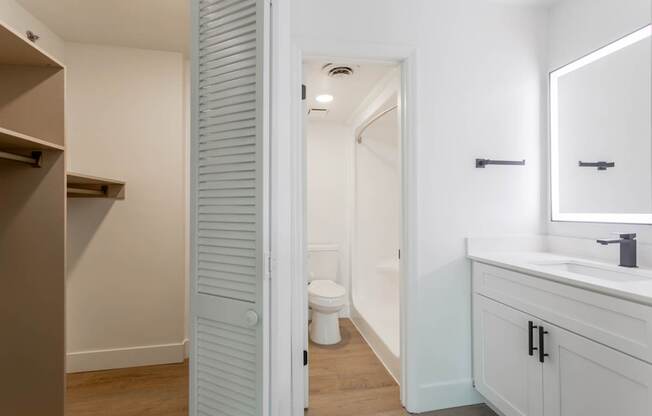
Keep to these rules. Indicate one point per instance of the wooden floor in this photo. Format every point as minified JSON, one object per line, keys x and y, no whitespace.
{"x":345,"y":380}
{"x":348,"y":379}
{"x":144,"y":391}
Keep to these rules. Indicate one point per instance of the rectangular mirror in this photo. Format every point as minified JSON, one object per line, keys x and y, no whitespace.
{"x":600,"y":128}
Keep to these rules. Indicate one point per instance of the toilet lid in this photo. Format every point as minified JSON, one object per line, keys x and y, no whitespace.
{"x":326,"y":289}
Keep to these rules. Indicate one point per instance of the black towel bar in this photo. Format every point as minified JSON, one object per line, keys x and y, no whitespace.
{"x":599,"y":165}
{"x":482,"y":163}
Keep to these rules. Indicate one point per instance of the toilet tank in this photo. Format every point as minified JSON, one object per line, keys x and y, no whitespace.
{"x":324,"y":263}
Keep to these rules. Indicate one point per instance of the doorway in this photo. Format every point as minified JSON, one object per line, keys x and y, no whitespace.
{"x":353,"y":213}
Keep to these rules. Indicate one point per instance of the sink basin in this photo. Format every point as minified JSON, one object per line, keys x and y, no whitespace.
{"x":597,"y":272}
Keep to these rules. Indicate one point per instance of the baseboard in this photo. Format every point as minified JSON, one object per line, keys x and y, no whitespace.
{"x":438,"y":396}
{"x":125,"y":357}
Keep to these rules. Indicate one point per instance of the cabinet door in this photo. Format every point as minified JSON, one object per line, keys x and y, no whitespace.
{"x":584,"y":378}
{"x":505,"y":373}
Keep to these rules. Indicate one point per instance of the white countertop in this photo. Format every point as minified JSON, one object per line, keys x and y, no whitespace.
{"x":635,"y":286}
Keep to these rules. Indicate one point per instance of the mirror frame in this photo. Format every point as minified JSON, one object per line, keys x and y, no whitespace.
{"x":556,"y":215}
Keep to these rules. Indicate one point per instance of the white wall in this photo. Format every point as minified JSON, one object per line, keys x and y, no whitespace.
{"x":329,"y":167}
{"x":126,"y":259}
{"x":19,"y":19}
{"x":577,"y":27}
{"x":481,"y":82}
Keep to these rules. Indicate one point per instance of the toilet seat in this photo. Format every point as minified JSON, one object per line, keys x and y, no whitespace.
{"x":326,"y":293}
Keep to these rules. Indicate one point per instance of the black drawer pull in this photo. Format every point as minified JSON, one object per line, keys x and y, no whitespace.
{"x":542,"y":353}
{"x":531,"y":347}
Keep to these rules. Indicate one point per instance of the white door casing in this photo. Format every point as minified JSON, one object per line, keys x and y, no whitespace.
{"x":229,"y":208}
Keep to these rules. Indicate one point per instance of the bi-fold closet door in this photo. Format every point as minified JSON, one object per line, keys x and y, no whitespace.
{"x":229,"y":208}
{"x":529,"y":367}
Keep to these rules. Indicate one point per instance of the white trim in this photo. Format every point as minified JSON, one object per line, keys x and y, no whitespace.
{"x":446,"y":395}
{"x":410,"y":232}
{"x":556,"y":214}
{"x":407,"y":56}
{"x":107,"y":359}
{"x":297,"y":235}
{"x":285,"y":268}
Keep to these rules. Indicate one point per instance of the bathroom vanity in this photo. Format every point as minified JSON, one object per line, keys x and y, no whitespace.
{"x":556,"y":335}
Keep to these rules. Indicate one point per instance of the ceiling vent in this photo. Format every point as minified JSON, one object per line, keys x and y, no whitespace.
{"x":337,"y":71}
{"x":317,"y":113}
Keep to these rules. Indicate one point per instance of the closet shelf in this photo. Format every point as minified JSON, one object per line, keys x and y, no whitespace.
{"x":86,"y":186}
{"x":17,"y":50}
{"x":11,"y":140}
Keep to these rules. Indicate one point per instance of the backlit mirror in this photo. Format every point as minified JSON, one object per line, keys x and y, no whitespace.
{"x":600,"y":112}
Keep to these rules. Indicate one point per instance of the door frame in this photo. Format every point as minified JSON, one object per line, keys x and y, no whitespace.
{"x":290,"y":266}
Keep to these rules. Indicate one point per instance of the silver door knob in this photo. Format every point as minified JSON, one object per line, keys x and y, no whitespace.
{"x":251,"y":318}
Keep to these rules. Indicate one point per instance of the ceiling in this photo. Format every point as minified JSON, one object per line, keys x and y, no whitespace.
{"x":543,"y":3}
{"x":147,"y":24}
{"x":348,"y":92}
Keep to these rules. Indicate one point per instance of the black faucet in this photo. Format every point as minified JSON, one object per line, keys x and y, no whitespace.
{"x":627,"y":249}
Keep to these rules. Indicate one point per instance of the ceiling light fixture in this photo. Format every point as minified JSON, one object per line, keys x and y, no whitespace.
{"x":324,"y":98}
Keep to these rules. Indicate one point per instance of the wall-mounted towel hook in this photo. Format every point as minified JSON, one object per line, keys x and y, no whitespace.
{"x":482,"y":163}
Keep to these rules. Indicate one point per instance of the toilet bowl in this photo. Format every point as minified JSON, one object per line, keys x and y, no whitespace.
{"x":326,"y":298}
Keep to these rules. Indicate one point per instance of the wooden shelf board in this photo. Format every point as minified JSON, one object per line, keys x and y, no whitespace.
{"x":16,"y":49}
{"x":88,"y":186}
{"x":82,"y":179}
{"x":11,"y":140}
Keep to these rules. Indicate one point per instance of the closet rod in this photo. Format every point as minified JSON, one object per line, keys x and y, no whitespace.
{"x":35,"y":160}
{"x":86,"y":192}
{"x":370,"y":122}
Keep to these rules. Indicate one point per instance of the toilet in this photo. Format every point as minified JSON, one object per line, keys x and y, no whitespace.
{"x":326,"y":297}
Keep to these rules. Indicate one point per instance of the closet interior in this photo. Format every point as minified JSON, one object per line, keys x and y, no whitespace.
{"x":34,"y":186}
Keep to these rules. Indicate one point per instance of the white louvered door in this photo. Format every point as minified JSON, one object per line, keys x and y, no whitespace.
{"x":229,"y":203}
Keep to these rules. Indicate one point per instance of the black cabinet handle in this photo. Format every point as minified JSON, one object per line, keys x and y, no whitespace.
{"x":531,"y":347}
{"x":542,"y":353}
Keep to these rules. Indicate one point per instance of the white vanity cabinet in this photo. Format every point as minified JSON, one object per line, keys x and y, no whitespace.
{"x":534,"y":354}
{"x":583,"y":377}
{"x":504,"y":372}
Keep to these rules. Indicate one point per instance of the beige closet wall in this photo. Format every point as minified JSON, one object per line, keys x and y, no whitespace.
{"x":14,"y":15}
{"x":126,"y":259}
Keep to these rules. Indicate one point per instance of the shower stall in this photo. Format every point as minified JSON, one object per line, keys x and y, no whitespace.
{"x":376,"y":238}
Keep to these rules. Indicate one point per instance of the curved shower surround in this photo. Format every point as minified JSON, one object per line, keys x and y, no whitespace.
{"x":375,"y":271}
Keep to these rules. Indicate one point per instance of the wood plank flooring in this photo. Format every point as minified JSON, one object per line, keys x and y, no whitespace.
{"x":345,"y":380}
{"x":160,"y":390}
{"x":348,"y":379}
